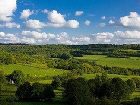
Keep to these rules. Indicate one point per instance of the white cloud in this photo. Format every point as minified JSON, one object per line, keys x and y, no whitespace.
{"x":103,"y":17}
{"x":111,"y":22}
{"x":128,"y":34}
{"x":8,"y":38}
{"x":9,"y":25}
{"x":57,"y":20}
{"x":37,"y":35}
{"x":81,"y":39}
{"x":26,"y":13}
{"x":79,"y":13}
{"x":56,"y":17}
{"x":35,"y":24}
{"x":104,"y":37}
{"x":87,"y":22}
{"x":72,"y":24}
{"x":117,"y":37}
{"x":34,"y":37}
{"x":7,"y":8}
{"x":132,"y":20}
{"x":45,"y":11}
{"x":64,"y":38}
{"x":28,"y":40}
{"x":102,"y":24}
{"x":2,"y":34}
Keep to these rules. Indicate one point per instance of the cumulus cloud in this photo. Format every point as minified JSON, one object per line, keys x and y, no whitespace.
{"x":128,"y":34}
{"x":65,"y":38}
{"x":34,"y":37}
{"x":79,"y":13}
{"x":131,"y":21}
{"x":56,"y":17}
{"x":35,"y":24}
{"x":45,"y":11}
{"x":103,"y":17}
{"x":117,"y":37}
{"x":7,"y":38}
{"x":72,"y":24}
{"x":104,"y":37}
{"x":111,"y":22}
{"x":26,"y":13}
{"x":58,"y":20}
{"x":7,"y":8}
{"x":87,"y":22}
{"x":37,"y":35}
{"x":10,"y":25}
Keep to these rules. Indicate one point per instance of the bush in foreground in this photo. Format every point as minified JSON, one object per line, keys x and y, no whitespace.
{"x":35,"y":92}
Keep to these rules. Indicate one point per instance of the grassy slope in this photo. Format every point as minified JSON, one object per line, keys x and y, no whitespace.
{"x":37,"y":71}
{"x":32,"y":70}
{"x":133,"y":62}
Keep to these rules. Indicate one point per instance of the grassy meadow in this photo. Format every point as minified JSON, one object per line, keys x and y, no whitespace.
{"x":42,"y":71}
{"x":33,"y":71}
{"x":132,"y":62}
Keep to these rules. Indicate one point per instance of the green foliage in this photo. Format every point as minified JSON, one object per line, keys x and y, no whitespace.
{"x":17,"y":77}
{"x":119,"y":89}
{"x":24,"y":92}
{"x":106,"y":101}
{"x":103,"y":87}
{"x":137,"y":82}
{"x":87,"y":68}
{"x":2,"y":78}
{"x":131,"y":85}
{"x":48,"y":93}
{"x":77,"y":53}
{"x":6,"y":58}
{"x":65,"y":56}
{"x":57,"y":82}
{"x":36,"y":61}
{"x":77,"y":92}
{"x":35,"y":92}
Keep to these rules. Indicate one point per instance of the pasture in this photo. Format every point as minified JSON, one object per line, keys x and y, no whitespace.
{"x":32,"y":71}
{"x":132,"y":62}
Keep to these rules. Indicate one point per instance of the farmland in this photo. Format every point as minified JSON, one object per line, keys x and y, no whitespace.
{"x":32,"y":70}
{"x":132,"y":62}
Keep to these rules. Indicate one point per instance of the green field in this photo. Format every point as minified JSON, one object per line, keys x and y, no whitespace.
{"x":32,"y":70}
{"x":35,"y":71}
{"x":133,"y":62}
{"x":124,"y":77}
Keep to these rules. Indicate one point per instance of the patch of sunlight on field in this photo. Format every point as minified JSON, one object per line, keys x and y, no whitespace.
{"x":133,"y":62}
{"x":32,"y":71}
{"x":45,"y":81}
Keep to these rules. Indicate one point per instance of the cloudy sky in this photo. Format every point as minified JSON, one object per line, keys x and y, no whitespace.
{"x":70,"y":21}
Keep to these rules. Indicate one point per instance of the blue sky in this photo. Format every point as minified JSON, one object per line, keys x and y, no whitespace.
{"x":70,"y":21}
